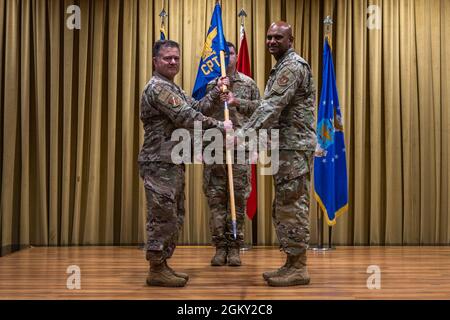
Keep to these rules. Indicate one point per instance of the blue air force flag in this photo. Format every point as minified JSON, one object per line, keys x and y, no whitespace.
{"x":330,"y":167}
{"x":209,"y":67}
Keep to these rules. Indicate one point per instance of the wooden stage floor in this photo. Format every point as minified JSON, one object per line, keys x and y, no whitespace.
{"x":120,"y":272}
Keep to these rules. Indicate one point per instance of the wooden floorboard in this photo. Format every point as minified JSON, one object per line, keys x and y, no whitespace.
{"x":120,"y":272}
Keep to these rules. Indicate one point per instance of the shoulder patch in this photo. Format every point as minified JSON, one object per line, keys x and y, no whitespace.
{"x":169,"y":97}
{"x":283,"y":81}
{"x":175,"y":101}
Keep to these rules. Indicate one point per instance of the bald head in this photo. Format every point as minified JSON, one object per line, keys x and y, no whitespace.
{"x":279,"y":38}
{"x":282,"y":26}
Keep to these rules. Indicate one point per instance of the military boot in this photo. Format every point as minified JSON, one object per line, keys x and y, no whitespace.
{"x":233,"y":256}
{"x":161,"y":276}
{"x":276,"y":273}
{"x":178,"y":274}
{"x":296,"y":273}
{"x":220,"y":258}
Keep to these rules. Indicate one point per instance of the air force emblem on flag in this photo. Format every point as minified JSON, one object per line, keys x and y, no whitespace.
{"x":210,"y":58}
{"x":209,"y":67}
{"x":325,"y":134}
{"x":207,"y":47}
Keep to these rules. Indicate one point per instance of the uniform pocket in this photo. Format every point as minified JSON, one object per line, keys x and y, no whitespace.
{"x":293,"y":164}
{"x":165,"y":180}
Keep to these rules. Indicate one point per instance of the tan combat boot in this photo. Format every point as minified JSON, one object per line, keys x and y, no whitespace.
{"x":296,"y":273}
{"x":220,"y":258}
{"x":234,"y":260}
{"x":161,"y":276}
{"x":177,"y":274}
{"x":279,"y":272}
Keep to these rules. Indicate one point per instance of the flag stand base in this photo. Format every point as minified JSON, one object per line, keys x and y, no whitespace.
{"x":320,"y":246}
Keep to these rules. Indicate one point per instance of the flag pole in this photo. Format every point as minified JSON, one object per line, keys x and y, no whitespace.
{"x":328,"y":28}
{"x":163,"y":14}
{"x":330,"y":231}
{"x":228,"y":155}
{"x":319,"y":246}
{"x":228,"y":151}
{"x":328,"y":23}
{"x":242,"y":14}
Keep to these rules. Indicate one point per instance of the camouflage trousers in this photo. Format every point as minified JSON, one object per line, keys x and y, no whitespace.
{"x":164,"y":189}
{"x":290,"y":210}
{"x":215,"y":187}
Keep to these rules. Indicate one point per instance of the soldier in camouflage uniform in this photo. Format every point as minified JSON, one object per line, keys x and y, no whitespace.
{"x":288,"y":105}
{"x":164,"y":108}
{"x":215,"y":179}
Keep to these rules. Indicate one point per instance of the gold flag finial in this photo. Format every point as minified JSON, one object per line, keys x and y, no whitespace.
{"x":328,"y":22}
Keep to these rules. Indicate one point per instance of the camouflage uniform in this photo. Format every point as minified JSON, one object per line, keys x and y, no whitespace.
{"x":164,"y":108}
{"x":215,"y":179}
{"x":288,"y":105}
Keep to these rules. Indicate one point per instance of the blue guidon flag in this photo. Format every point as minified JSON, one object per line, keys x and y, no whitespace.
{"x":330,"y":165}
{"x":209,"y":67}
